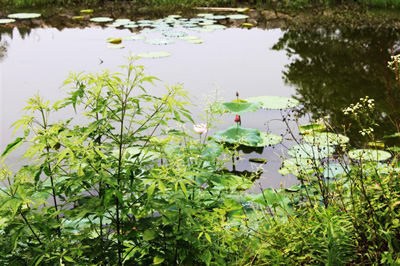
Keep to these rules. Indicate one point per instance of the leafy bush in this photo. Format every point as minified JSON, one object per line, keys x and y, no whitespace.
{"x":116,"y":184}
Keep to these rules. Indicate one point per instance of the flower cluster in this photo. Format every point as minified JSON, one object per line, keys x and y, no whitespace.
{"x":394,"y":64}
{"x":366,"y":131}
{"x":365,"y":104}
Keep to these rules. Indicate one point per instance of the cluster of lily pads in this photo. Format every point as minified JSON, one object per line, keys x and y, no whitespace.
{"x":171,"y":28}
{"x":317,"y":154}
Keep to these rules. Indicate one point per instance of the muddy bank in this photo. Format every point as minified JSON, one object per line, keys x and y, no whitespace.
{"x":353,"y":16}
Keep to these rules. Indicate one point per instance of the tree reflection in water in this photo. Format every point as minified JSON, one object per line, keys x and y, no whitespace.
{"x":333,"y":68}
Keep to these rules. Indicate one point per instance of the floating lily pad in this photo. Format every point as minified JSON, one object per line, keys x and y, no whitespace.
{"x":189,"y":38}
{"x":207,"y":22}
{"x":87,"y":11}
{"x":217,"y":17}
{"x":114,"y":40}
{"x":174,"y":16}
{"x":298,"y":166}
{"x":307,"y":151}
{"x":116,"y":46}
{"x":197,"y":41}
{"x":189,"y":25}
{"x":214,"y":27}
{"x":24,"y":15}
{"x":159,"y":41}
{"x":306,"y":129}
{"x":174,"y":34}
{"x":158,"y":54}
{"x":239,"y":135}
{"x":369,"y":155}
{"x":247,"y":25}
{"x":133,"y":37}
{"x":334,"y":170}
{"x":145,"y":21}
{"x":242,"y":10}
{"x":238,"y":16}
{"x":269,"y":139}
{"x":274,"y":102}
{"x":101,"y":19}
{"x":205,"y":15}
{"x":6,"y":20}
{"x":241,"y":107}
{"x":78,"y":17}
{"x":326,"y":138}
{"x":197,"y":29}
{"x":131,"y":25}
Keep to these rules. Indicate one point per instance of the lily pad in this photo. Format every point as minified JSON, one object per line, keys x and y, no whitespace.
{"x":189,"y":37}
{"x":133,"y":37}
{"x":159,"y":41}
{"x":239,"y":135}
{"x":247,"y":25}
{"x":114,"y":40}
{"x":157,"y":54}
{"x":237,"y":16}
{"x":326,"y":138}
{"x":214,"y":27}
{"x":87,"y":11}
{"x":101,"y":19}
{"x":369,"y":155}
{"x":216,"y":17}
{"x":274,"y":102}
{"x":116,"y":46}
{"x":174,"y":34}
{"x":24,"y":15}
{"x":298,"y":166}
{"x":334,"y":170}
{"x":307,"y":151}
{"x":197,"y":41}
{"x":241,"y":107}
{"x":269,"y":139}
{"x":306,"y":129}
{"x":6,"y":20}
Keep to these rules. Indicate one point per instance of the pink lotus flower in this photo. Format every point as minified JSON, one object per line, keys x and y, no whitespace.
{"x":200,"y":128}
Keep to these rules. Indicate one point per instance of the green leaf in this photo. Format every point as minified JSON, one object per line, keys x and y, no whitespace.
{"x":208,"y":237}
{"x":306,"y":129}
{"x":239,"y":135}
{"x":275,"y":102}
{"x":206,"y":257}
{"x":325,"y":138}
{"x":12,"y":146}
{"x":369,"y":155}
{"x":241,"y":107}
{"x":158,"y":260}
{"x":150,"y":190}
{"x":149,"y":234}
{"x":183,"y":187}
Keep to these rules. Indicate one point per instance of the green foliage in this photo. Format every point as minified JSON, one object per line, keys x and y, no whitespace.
{"x":115,"y":184}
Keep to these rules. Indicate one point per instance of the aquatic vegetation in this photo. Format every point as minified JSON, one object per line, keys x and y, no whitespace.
{"x":24,"y":15}
{"x":154,"y":54}
{"x":275,"y":102}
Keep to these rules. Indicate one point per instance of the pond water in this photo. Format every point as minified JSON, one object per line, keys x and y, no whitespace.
{"x":326,"y":69}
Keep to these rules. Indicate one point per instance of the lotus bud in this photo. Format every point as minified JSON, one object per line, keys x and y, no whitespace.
{"x":200,"y":128}
{"x":237,"y":119}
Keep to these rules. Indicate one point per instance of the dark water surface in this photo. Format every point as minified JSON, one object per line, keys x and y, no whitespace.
{"x":325,"y":69}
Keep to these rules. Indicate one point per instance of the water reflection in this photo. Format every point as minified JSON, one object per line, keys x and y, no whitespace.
{"x":333,"y":68}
